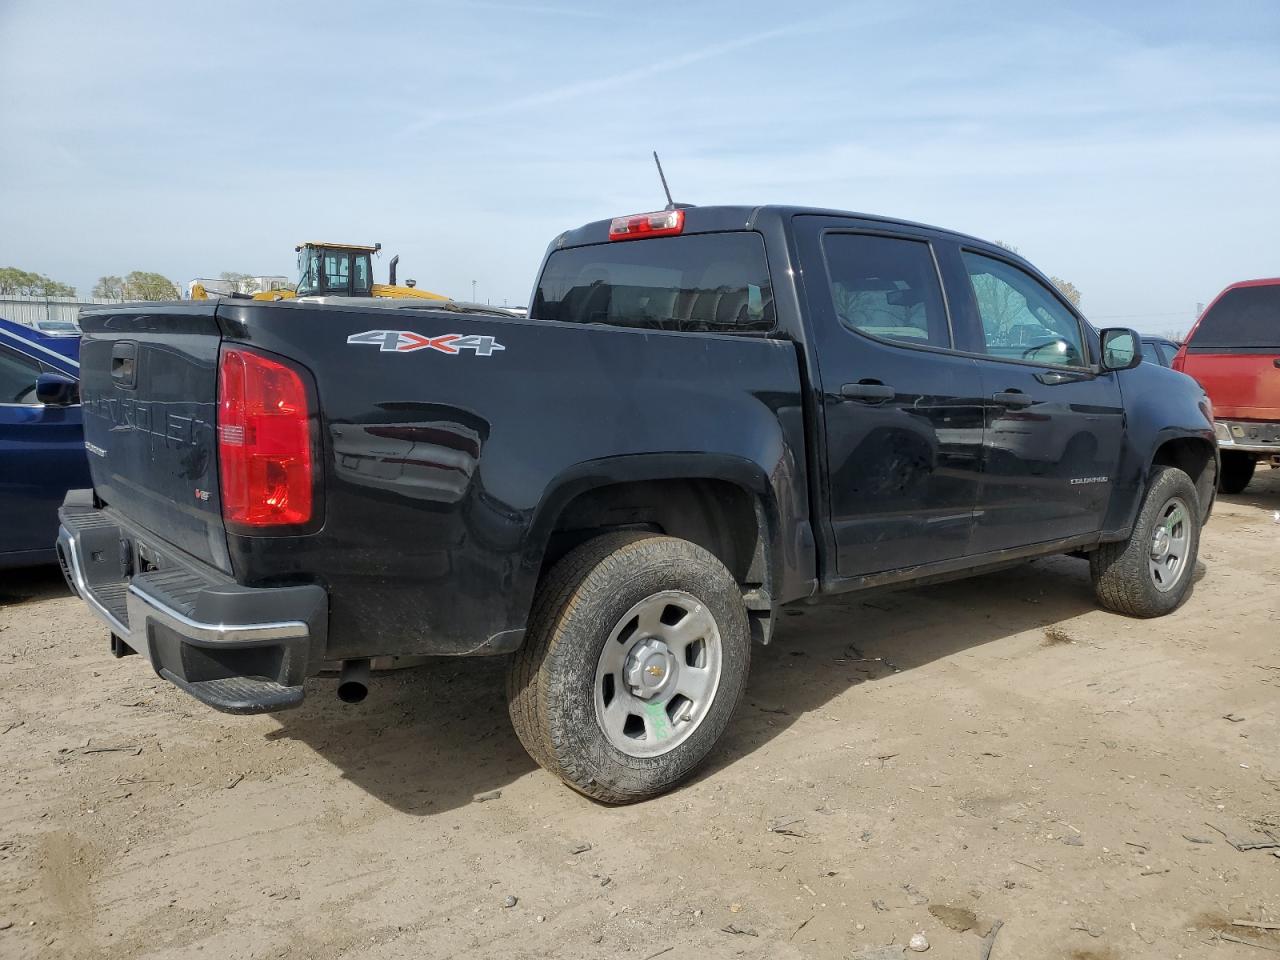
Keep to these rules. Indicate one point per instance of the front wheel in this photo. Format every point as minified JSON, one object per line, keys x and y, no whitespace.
{"x":635,"y":660}
{"x":1150,"y":574}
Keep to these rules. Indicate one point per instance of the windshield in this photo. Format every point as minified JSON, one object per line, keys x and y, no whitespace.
{"x":703,"y":282}
{"x":1246,"y":318}
{"x":308,"y":271}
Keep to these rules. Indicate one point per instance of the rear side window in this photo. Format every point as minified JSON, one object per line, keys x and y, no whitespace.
{"x":887,"y":287}
{"x":1244,"y":318}
{"x":702,"y":282}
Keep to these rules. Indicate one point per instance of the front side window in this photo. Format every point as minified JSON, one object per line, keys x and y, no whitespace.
{"x":1021,"y":318}
{"x":18,"y":375}
{"x":887,"y":287}
{"x":1151,"y":353}
{"x":717,"y":282}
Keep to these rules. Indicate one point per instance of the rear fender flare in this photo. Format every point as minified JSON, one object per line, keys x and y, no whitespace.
{"x":633,"y":468}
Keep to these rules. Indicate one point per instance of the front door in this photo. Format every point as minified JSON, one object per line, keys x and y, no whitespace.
{"x":1053,"y":426}
{"x":902,"y":413}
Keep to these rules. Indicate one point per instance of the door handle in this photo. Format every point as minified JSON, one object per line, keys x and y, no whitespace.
{"x":1012,"y":398}
{"x":869,"y":392}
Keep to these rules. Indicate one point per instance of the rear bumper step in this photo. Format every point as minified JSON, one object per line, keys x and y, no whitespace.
{"x":1248,"y":436}
{"x":237,"y":649}
{"x":238,"y":694}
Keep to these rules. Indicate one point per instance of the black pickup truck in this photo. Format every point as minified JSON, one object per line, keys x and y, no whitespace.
{"x":709,"y":413}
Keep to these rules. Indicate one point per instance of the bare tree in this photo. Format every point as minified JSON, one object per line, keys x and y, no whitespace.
{"x":109,"y":288}
{"x":245,"y":283}
{"x":1068,"y":290}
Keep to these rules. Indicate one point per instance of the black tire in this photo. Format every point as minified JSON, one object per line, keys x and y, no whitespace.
{"x":1237,"y":471}
{"x":551,"y":679}
{"x":1121,"y":572}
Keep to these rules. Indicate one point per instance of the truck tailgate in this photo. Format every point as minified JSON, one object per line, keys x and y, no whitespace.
{"x":1243,"y":386}
{"x":149,"y":387}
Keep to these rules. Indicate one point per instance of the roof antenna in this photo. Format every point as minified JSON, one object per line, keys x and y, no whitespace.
{"x":671,"y":204}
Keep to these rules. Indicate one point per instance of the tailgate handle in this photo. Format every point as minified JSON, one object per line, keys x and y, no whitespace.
{"x":124,"y":364}
{"x":1276,"y":362}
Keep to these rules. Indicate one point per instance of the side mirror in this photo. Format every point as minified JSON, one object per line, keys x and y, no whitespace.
{"x":56,"y":390}
{"x":1121,"y":349}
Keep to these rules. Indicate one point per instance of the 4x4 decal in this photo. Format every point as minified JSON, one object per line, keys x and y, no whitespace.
{"x":406,"y":341}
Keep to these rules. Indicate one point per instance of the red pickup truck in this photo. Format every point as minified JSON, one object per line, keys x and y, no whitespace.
{"x":1234,"y":351}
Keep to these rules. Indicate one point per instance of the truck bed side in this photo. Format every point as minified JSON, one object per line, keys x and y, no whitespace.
{"x":447,"y":467}
{"x":445,"y":471}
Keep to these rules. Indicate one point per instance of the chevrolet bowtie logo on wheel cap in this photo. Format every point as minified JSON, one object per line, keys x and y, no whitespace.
{"x":406,"y":341}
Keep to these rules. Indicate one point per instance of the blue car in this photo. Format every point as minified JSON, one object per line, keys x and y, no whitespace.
{"x":42,"y":452}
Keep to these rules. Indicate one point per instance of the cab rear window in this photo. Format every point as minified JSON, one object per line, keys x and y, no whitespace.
{"x":1246,"y":318}
{"x":717,"y":282}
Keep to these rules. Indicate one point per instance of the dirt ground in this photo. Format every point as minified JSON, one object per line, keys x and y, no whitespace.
{"x":918,"y":761}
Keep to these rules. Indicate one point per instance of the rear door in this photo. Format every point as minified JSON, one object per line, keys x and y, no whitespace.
{"x":149,"y":392}
{"x":902,"y":412}
{"x":1234,"y":351}
{"x":1053,"y":427}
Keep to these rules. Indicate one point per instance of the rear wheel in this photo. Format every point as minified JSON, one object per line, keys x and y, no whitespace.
{"x":636,"y":658}
{"x":1151,"y":573}
{"x":1237,"y":471}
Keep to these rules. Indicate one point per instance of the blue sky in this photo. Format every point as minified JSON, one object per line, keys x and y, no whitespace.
{"x":1132,"y":148}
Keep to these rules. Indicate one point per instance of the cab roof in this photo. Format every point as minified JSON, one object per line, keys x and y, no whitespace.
{"x":345,"y":246}
{"x":715,"y":219}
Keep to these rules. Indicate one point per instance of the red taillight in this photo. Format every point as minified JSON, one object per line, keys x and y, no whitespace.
{"x":663,"y":223}
{"x":264,"y":441}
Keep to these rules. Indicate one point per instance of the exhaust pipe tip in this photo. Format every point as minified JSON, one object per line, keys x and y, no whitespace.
{"x":353,"y":681}
{"x":352,"y":691}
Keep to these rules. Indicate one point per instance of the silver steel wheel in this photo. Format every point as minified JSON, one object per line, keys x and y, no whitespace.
{"x":1170,"y":543}
{"x":658,"y":674}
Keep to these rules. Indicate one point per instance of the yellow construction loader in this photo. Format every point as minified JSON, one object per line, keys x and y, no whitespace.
{"x":336,"y":270}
